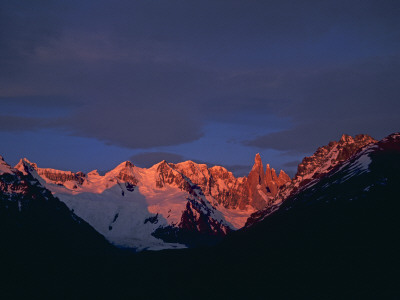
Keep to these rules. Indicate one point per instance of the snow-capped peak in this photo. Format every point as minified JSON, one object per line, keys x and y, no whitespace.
{"x":93,"y":173}
{"x":25,"y":166}
{"x":124,"y":168}
{"x":129,"y":204}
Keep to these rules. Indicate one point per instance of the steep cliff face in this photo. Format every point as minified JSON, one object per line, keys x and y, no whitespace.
{"x":125,"y":174}
{"x":4,"y":167}
{"x":199,"y":214}
{"x":274,"y":182}
{"x":255,"y":190}
{"x":262,"y":187}
{"x":326,"y":157}
{"x":256,"y":185}
{"x":217,"y":183}
{"x":165,"y":206}
{"x":228,"y":191}
{"x":52,"y":175}
{"x":315,"y":167}
{"x":324,"y":160}
{"x":169,"y":176}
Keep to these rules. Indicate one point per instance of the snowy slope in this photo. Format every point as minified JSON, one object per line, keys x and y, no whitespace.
{"x":348,"y":157}
{"x":324,"y":160}
{"x":128,"y":204}
{"x":33,"y":221}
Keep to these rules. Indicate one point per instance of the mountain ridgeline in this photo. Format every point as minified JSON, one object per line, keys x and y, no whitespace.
{"x":330,"y":232}
{"x":171,"y":206}
{"x":167,"y":206}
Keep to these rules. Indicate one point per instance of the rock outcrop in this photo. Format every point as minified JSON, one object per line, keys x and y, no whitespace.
{"x":255,"y":190}
{"x":314,"y":167}
{"x":324,"y":160}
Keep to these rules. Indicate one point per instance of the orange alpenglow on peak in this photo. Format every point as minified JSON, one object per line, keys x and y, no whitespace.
{"x":346,"y":138}
{"x":262,"y":187}
{"x":283,"y":176}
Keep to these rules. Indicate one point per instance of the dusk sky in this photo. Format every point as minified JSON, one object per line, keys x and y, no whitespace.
{"x":88,"y":84}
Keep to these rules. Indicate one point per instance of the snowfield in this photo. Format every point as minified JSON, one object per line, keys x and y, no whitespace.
{"x":126,"y":216}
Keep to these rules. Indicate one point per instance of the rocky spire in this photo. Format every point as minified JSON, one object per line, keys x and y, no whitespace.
{"x":270,"y":181}
{"x":268,"y":173}
{"x":256,"y":183}
{"x":283,"y":177}
{"x":257,"y":172}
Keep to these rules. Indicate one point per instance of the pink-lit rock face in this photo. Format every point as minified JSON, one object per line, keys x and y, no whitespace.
{"x":341,"y":170}
{"x":256,"y":185}
{"x":128,"y":205}
{"x":323,"y":161}
{"x":51,"y":175}
{"x":4,"y":167}
{"x":314,"y":167}
{"x":255,"y":190}
{"x":262,"y":187}
{"x":216,"y":182}
{"x":326,"y":157}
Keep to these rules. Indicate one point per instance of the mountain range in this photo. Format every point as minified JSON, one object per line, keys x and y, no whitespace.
{"x":331,"y":231}
{"x":162,"y":207}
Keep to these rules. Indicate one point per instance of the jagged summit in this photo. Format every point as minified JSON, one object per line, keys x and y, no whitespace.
{"x":263,"y":186}
{"x":24,"y":161}
{"x":130,"y":209}
{"x":155,"y":166}
{"x":124,"y":165}
{"x":323,"y":161}
{"x":258,"y":166}
{"x":4,"y":167}
{"x":328,"y":156}
{"x":284,"y":176}
{"x":140,"y":205}
{"x":25,"y":166}
{"x":257,"y":159}
{"x":151,"y":207}
{"x":50,"y":175}
{"x":346,"y":139}
{"x":339,"y":166}
{"x":316,"y":166}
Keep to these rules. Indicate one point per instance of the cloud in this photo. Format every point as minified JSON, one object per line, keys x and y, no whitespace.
{"x":143,"y":74}
{"x":19,"y":124}
{"x":38,"y":101}
{"x":293,"y":163}
{"x":357,"y":98}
